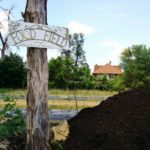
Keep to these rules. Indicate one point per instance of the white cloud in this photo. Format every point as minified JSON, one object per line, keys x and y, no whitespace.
{"x":77,"y":27}
{"x":3,"y":22}
{"x":116,"y":49}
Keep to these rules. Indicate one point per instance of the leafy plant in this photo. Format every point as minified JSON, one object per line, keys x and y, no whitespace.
{"x":135,"y":62}
{"x":13,"y":72}
{"x":57,"y":145}
{"x":12,"y":122}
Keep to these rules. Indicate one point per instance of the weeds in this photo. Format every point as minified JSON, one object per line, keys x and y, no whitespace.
{"x":57,"y":145}
{"x":12,"y":124}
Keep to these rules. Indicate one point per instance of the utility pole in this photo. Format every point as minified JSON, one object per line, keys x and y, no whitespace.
{"x":37,"y":83}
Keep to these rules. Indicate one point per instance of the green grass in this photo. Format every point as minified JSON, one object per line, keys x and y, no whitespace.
{"x":23,"y":92}
{"x":17,"y":92}
{"x":81,"y":92}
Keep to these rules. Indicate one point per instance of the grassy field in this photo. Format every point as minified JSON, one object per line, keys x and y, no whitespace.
{"x":59,"y":104}
{"x":23,"y":92}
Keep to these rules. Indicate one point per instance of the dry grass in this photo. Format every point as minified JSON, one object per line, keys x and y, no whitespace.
{"x":59,"y":104}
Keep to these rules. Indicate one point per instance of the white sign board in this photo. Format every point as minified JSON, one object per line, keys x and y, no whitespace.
{"x":37,"y":35}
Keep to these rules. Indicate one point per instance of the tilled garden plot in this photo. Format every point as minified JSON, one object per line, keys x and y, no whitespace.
{"x":121,"y":122}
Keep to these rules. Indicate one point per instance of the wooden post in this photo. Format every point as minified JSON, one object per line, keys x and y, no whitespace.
{"x":37,"y":83}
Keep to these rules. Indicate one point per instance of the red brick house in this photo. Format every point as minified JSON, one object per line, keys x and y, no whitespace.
{"x":107,"y":70}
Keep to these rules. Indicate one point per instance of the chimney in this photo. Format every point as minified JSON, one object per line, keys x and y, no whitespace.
{"x":110,"y":62}
{"x":96,"y":66}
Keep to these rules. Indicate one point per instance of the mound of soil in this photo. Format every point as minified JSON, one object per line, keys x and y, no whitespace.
{"x":121,"y":122}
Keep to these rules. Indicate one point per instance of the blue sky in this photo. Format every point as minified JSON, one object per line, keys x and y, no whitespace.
{"x":109,"y":25}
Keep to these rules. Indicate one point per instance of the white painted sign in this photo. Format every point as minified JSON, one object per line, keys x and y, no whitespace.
{"x":37,"y":35}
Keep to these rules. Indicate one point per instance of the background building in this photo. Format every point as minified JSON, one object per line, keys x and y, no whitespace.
{"x":107,"y":70}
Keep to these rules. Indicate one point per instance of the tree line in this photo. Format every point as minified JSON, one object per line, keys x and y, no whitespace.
{"x":71,"y":71}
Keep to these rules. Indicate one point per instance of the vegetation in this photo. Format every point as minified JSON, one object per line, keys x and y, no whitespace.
{"x":12,"y":124}
{"x":59,"y":104}
{"x":56,"y":145}
{"x":60,"y":71}
{"x":135,"y":62}
{"x":76,"y":48}
{"x":12,"y":72}
{"x":23,"y":92}
{"x":64,"y":74}
{"x":11,"y":120}
{"x":70,"y":70}
{"x":117,"y":84}
{"x":3,"y":38}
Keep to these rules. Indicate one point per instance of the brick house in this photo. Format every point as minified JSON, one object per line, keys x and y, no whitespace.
{"x":107,"y":70}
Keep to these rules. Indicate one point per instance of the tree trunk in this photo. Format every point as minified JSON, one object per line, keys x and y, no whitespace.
{"x":3,"y":49}
{"x":37,"y":83}
{"x":2,"y":53}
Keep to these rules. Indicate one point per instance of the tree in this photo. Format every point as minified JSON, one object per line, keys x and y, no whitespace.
{"x":71,"y":66}
{"x":12,"y":72}
{"x":70,"y":69}
{"x":37,"y":83}
{"x":117,"y":84}
{"x":76,"y":48}
{"x":135,"y":62}
{"x":3,"y":39}
{"x":65,"y":53}
{"x":76,"y":42}
{"x":61,"y":70}
{"x":82,"y":73}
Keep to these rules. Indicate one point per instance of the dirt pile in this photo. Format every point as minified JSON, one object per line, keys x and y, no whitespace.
{"x":122,"y":122}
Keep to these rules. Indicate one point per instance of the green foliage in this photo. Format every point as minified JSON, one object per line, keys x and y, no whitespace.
{"x":60,"y":71}
{"x":76,"y":48}
{"x":64,"y":74}
{"x":70,"y":70}
{"x":81,"y":74}
{"x":57,"y":145}
{"x":117,"y":84}
{"x":135,"y":62}
{"x":12,"y":72}
{"x":12,"y":122}
{"x":76,"y":52}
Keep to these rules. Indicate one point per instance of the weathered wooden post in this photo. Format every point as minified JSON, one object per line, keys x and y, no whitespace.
{"x":37,"y":36}
{"x":37,"y":83}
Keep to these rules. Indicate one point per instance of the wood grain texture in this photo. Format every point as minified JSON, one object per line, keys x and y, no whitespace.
{"x":37,"y":83}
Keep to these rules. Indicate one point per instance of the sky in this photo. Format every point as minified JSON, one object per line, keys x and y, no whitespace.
{"x":109,"y":26}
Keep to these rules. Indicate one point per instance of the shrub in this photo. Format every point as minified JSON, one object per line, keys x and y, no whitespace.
{"x":12,"y":122}
{"x":12,"y":72}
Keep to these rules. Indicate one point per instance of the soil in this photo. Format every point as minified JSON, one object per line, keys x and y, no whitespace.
{"x":121,"y":122}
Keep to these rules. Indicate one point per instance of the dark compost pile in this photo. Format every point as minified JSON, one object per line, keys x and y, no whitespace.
{"x":121,"y":122}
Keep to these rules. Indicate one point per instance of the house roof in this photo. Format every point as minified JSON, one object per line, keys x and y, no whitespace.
{"x":107,"y":69}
